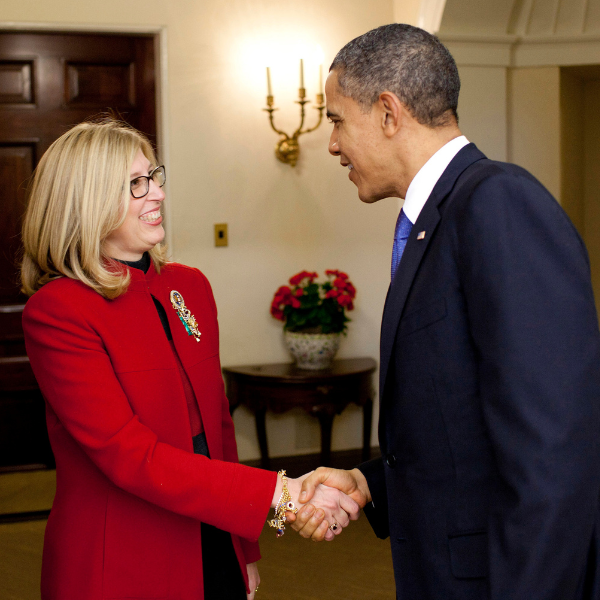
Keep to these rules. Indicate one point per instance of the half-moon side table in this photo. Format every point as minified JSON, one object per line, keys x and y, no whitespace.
{"x":325,"y":393}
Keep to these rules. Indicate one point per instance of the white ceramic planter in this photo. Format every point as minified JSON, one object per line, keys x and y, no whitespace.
{"x":312,"y":350}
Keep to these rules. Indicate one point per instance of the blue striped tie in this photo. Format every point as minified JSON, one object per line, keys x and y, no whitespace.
{"x":403,"y":227}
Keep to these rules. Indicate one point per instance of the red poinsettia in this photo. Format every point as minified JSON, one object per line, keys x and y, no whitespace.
{"x":318,"y":307}
{"x":299,"y":277}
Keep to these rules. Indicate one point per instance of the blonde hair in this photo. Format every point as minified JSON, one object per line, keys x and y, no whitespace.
{"x":79,"y":195}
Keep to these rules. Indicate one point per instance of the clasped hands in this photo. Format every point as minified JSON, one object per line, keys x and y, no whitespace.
{"x":326,"y":498}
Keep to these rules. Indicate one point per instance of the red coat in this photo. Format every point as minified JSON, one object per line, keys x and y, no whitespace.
{"x":130,"y":493}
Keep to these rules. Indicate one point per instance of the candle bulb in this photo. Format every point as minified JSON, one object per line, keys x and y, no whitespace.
{"x":269,"y":90}
{"x":301,"y":73}
{"x":320,"y":79}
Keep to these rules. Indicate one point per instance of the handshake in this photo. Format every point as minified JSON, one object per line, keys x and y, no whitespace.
{"x":326,"y":499}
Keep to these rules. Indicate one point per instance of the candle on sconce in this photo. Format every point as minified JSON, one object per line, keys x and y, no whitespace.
{"x":320,"y":79}
{"x":287,"y":149}
{"x":269,"y":90}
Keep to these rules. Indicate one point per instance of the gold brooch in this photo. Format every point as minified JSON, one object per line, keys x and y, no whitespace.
{"x":185,"y":316}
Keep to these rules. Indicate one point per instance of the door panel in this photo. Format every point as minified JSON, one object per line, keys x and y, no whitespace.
{"x":48,"y":83}
{"x":16,"y":83}
{"x":88,"y":84}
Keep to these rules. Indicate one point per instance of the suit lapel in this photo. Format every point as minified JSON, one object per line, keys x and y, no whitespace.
{"x":415,"y":250}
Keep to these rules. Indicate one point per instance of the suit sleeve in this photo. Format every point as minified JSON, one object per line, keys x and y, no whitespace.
{"x":77,"y":379}
{"x":377,"y":510}
{"x":531,"y":311}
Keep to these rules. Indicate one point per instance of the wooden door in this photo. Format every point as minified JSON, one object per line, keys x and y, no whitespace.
{"x":48,"y":83}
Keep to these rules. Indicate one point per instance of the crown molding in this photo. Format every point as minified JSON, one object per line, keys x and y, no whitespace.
{"x":83,"y":27}
{"x":430,"y":14}
{"x":509,"y":50}
{"x":495,"y":38}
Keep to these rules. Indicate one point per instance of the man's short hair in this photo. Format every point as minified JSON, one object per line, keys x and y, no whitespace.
{"x":407,"y":61}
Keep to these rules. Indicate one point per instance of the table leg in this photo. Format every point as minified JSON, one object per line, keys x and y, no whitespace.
{"x":232,"y":393}
{"x":261,"y":432}
{"x":367,"y":421}
{"x":326,"y":420}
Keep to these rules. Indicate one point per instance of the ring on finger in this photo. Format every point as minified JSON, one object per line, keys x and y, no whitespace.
{"x":334,"y":527}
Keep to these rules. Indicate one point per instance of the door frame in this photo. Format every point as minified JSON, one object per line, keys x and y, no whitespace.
{"x":160,"y":51}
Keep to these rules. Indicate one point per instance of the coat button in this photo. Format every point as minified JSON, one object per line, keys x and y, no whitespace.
{"x":390,"y":459}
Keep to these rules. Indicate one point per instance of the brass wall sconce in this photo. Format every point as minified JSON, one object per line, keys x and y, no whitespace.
{"x":287,"y":148}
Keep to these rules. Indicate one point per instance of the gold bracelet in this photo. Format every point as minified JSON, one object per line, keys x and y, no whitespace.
{"x":283,"y":505}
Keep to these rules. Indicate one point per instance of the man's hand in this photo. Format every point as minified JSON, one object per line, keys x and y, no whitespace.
{"x":310,"y":521}
{"x":352,"y":483}
{"x":329,"y":507}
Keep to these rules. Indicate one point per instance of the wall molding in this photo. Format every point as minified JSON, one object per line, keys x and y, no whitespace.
{"x":523,"y":51}
{"x":430,"y":15}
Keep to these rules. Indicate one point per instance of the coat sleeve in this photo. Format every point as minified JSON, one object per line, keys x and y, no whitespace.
{"x":250,"y":548}
{"x":377,"y":510}
{"x":76,"y":378}
{"x":530,"y":305}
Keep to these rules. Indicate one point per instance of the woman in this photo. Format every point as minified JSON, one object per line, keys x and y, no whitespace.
{"x":150,"y":500}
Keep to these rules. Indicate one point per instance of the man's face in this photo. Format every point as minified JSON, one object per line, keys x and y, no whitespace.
{"x":357,"y":138}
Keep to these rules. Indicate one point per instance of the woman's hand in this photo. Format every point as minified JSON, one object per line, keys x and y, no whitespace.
{"x":329,"y":506}
{"x":253,"y":579}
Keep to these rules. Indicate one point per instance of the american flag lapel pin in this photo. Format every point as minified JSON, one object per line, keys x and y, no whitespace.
{"x":421,"y":235}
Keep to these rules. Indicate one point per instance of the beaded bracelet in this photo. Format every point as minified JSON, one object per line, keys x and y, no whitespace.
{"x":283,"y":505}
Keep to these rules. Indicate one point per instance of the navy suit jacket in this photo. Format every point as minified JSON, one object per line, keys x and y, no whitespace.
{"x":489,"y":480}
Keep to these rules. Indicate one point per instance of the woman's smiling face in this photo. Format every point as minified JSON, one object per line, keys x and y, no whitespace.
{"x":142,"y":228}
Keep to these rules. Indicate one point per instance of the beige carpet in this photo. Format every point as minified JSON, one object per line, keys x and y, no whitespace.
{"x":355,"y":566}
{"x":21,"y":560}
{"x":27,"y":491}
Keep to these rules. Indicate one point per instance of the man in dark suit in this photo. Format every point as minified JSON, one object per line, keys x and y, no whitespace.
{"x":489,"y":481}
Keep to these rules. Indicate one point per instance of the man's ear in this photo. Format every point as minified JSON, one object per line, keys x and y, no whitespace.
{"x":392,"y":113}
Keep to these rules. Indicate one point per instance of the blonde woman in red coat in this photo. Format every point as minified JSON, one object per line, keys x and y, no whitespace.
{"x":151,"y":501}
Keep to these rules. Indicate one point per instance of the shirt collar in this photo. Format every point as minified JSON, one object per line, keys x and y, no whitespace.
{"x":424,"y":181}
{"x":142,"y":264}
{"x":139,"y":281}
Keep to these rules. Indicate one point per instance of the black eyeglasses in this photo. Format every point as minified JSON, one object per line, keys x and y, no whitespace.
{"x":141,"y":185}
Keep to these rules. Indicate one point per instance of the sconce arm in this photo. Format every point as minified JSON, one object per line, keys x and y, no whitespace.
{"x":287,"y":149}
{"x":271,"y":121}
{"x":320,"y":109}
{"x":299,"y":131}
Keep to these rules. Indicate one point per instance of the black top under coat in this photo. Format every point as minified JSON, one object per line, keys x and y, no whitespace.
{"x":143,"y":265}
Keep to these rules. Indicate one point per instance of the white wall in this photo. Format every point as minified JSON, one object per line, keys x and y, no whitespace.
{"x":534,"y":136}
{"x":222,"y":169}
{"x":482,"y":108}
{"x":572,"y":127}
{"x":591,"y":179}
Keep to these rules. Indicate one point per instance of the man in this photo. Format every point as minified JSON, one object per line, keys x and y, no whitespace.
{"x":489,"y":481}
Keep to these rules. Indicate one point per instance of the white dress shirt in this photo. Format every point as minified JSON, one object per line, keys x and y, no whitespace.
{"x":424,"y":181}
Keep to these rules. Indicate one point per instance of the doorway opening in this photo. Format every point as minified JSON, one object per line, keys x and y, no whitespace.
{"x":50,"y":81}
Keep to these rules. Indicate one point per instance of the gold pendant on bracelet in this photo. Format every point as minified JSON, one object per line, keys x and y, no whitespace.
{"x":185,"y":316}
{"x":284,"y":504}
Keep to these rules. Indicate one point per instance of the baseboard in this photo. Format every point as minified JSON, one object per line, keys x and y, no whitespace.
{"x":33,"y":515}
{"x":298,"y":465}
{"x":294,"y":465}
